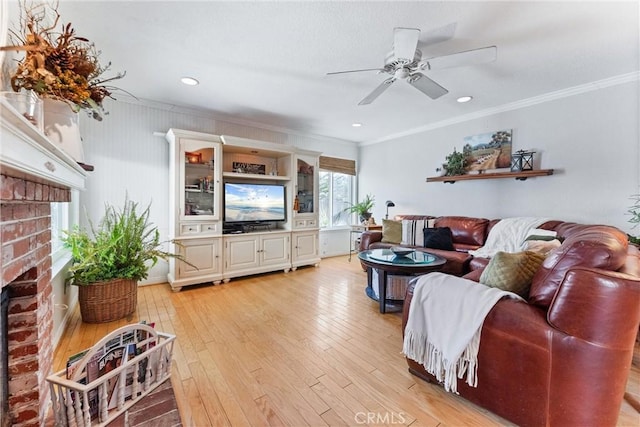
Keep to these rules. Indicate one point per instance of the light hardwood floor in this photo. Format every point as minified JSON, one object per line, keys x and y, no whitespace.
{"x":302,"y":348}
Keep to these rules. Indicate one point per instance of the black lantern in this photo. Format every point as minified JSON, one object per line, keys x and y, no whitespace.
{"x":522,"y":160}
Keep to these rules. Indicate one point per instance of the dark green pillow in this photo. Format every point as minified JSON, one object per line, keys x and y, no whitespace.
{"x":543,"y":238}
{"x":512,"y":271}
{"x":391,"y":231}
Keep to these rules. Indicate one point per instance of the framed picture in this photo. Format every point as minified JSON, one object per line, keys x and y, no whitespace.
{"x":490,"y":150}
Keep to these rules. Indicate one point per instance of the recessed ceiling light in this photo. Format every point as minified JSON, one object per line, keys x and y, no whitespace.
{"x":190,"y":81}
{"x":463,"y":99}
{"x":356,"y":125}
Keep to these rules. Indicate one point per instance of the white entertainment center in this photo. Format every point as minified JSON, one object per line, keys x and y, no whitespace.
{"x":270,"y":223}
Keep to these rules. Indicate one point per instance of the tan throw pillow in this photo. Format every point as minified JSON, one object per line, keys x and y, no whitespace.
{"x":512,"y":271}
{"x":542,"y":246}
{"x":391,"y":231}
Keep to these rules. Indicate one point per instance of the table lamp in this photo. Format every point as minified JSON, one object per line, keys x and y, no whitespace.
{"x":389,"y":204}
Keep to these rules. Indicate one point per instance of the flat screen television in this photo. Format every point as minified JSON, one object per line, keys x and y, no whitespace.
{"x":254,"y":203}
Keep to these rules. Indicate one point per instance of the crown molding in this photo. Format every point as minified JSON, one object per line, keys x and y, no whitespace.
{"x":224,"y":118}
{"x":528,"y":102}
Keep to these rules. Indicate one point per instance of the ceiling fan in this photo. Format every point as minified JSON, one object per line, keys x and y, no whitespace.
{"x":405,"y":62}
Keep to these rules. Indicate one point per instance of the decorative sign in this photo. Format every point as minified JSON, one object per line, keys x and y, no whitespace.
{"x":241,"y":167}
{"x":488,"y":150}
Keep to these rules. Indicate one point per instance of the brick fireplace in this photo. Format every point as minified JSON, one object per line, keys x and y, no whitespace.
{"x":34,"y":172}
{"x":26,"y":276}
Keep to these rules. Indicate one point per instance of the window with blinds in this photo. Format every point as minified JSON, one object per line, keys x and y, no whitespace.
{"x":336,"y":190}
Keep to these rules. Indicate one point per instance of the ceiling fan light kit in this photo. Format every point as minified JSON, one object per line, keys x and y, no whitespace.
{"x":405,"y":62}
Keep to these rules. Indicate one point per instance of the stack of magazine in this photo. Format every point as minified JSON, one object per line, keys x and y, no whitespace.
{"x":113,"y":354}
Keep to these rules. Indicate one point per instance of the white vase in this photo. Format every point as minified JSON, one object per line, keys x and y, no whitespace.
{"x":62,"y":127}
{"x":28,"y":105}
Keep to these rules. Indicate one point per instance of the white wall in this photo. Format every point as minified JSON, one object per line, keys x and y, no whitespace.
{"x":591,"y":140}
{"x":128,"y":158}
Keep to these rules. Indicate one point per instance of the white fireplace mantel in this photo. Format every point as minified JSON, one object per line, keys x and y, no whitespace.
{"x":25,"y":149}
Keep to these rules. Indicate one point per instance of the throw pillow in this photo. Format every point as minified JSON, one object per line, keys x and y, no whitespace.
{"x":541,"y":242}
{"x":412,"y":231}
{"x":542,"y":246}
{"x":541,"y":232}
{"x":512,"y":271}
{"x":438,"y":238}
{"x":391,"y":231}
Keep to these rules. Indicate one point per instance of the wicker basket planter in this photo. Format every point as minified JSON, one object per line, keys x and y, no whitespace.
{"x":108,"y":301}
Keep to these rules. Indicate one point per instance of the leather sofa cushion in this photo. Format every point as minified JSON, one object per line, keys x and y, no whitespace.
{"x":466,"y":230}
{"x":457,"y":262}
{"x":594,"y":246}
{"x":474,"y":274}
{"x":478,"y":263}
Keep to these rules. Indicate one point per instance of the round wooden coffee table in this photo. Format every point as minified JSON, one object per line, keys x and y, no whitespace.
{"x":385,"y":262}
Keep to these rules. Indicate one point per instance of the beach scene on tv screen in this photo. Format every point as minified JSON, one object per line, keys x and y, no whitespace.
{"x":246,"y":202}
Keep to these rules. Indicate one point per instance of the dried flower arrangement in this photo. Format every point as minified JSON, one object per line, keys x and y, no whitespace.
{"x":59,"y":65}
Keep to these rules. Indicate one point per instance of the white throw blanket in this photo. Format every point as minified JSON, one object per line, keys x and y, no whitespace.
{"x":444,"y":325}
{"x":508,"y":236}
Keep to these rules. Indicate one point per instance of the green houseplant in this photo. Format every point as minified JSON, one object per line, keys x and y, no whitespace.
{"x":363,"y":208}
{"x":634,"y":211}
{"x":110,"y":259}
{"x":456,"y":163}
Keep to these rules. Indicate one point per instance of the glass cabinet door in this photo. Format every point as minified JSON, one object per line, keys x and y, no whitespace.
{"x":306,"y":186}
{"x":200,"y":181}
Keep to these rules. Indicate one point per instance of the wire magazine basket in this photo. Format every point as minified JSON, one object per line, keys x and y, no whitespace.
{"x":104,"y":381}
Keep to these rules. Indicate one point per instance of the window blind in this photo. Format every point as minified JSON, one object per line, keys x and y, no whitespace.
{"x":333,"y":164}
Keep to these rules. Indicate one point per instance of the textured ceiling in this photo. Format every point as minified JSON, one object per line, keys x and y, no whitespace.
{"x":266,"y":62}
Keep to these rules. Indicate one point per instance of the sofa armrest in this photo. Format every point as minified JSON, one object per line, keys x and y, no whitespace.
{"x":478,"y":263}
{"x":369,"y":237}
{"x":597,"y":306}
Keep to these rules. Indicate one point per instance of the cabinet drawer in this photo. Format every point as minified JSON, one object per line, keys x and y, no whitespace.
{"x":209,"y":227}
{"x":306,"y":223}
{"x":190,"y":229}
{"x":186,"y":229}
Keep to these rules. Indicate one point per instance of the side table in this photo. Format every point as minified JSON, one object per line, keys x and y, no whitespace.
{"x":357,"y":230}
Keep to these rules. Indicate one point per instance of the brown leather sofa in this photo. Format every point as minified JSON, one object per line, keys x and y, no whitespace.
{"x":468,"y":234}
{"x":563,"y":357}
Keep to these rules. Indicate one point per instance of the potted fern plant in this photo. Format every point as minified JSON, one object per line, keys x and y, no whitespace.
{"x":110,"y":259}
{"x":634,"y":211}
{"x":363,"y":208}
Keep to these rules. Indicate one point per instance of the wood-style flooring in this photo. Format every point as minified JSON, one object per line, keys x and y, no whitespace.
{"x":305,"y":348}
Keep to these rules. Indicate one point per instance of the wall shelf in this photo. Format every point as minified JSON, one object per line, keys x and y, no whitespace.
{"x":520,"y":176}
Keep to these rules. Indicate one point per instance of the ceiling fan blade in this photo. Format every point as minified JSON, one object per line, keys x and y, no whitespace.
{"x":427,"y":86}
{"x":405,"y":41}
{"x":437,"y":35}
{"x":468,"y":57}
{"x":377,"y":91}
{"x":354,"y":71}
